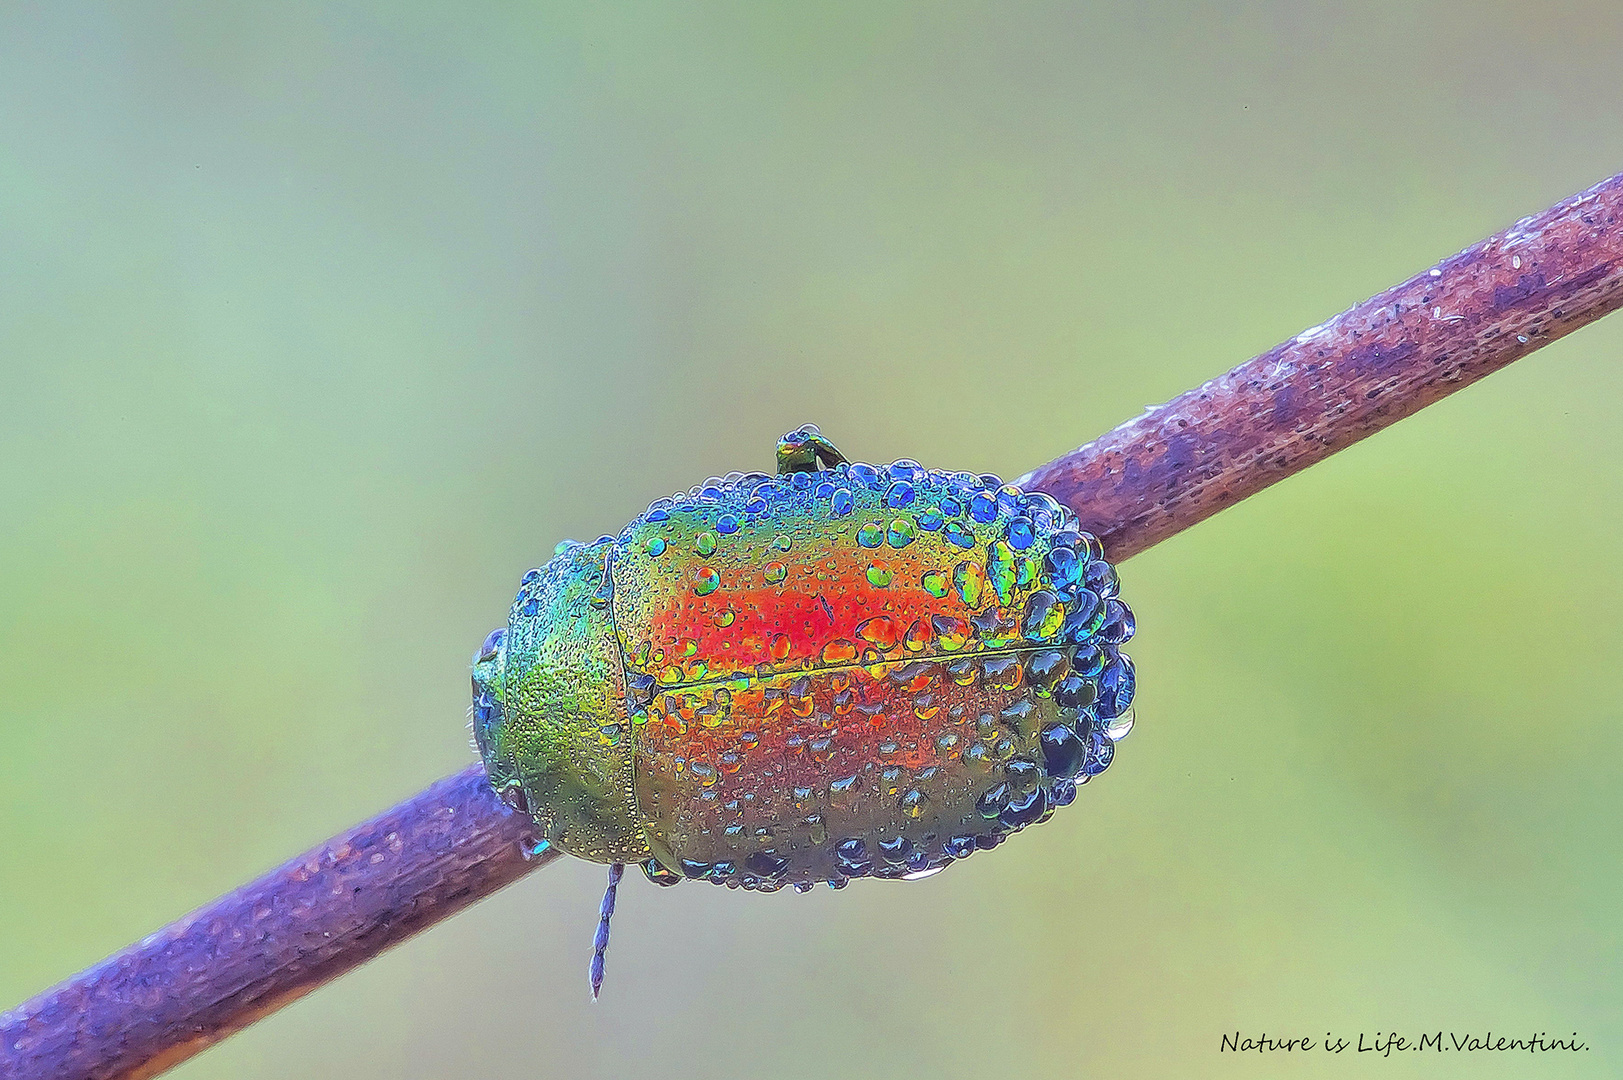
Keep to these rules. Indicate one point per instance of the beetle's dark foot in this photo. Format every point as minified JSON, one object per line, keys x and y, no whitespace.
{"x":806,"y":451}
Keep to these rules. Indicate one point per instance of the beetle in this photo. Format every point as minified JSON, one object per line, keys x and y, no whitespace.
{"x":841,"y":670}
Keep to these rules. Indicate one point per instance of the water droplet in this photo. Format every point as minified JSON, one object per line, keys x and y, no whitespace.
{"x":705,"y":581}
{"x":935,"y":584}
{"x":992,"y":801}
{"x":1064,"y":568}
{"x":513,"y":795}
{"x":1016,"y":716}
{"x":871,"y":535}
{"x":1116,"y":684}
{"x":1100,"y":751}
{"x":1084,"y":615}
{"x":968,"y":580}
{"x":1088,"y":660}
{"x":952,"y":633}
{"x":964,"y":672}
{"x":1046,"y":668}
{"x":901,"y":533}
{"x":492,"y":644}
{"x":705,"y":543}
{"x":842,"y":503}
{"x":1027,"y":570}
{"x":865,"y":474}
{"x":781,"y":542}
{"x":915,"y":804}
{"x":896,"y":849}
{"x":899,"y":494}
{"x":839,"y":651}
{"x":725,"y":617}
{"x":879,"y":575}
{"x":1044,"y":616}
{"x":919,"y":636}
{"x":658,"y":874}
{"x":1000,"y":570}
{"x":1024,"y":810}
{"x":1063,"y":752}
{"x":931,"y":520}
{"x":958,"y":535}
{"x":983,"y":507}
{"x":1075,"y":692}
{"x":780,"y":646}
{"x":853,"y":854}
{"x":1024,"y":775}
{"x":879,"y":630}
{"x":1117,"y":729}
{"x":1021,"y":534}
{"x":766,"y":863}
{"x":1002,"y":672}
{"x":655,"y":546}
{"x":1119,"y":624}
{"x":1100,"y":576}
{"x":775,"y":572}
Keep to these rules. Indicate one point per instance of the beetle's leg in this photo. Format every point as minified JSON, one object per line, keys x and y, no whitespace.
{"x":600,"y":943}
{"x":806,"y":451}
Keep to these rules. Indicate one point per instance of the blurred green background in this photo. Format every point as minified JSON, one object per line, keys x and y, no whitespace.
{"x":320,"y":323}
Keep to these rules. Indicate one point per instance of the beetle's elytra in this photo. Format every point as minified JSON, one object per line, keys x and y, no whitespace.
{"x":840,"y":671}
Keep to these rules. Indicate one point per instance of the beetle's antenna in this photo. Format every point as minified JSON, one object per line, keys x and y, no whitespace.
{"x":600,"y":943}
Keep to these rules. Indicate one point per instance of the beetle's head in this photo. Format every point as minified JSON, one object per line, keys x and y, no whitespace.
{"x":549,"y":714}
{"x":486,"y":715}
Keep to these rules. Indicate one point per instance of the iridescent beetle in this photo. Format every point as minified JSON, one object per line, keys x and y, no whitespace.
{"x":840,"y":671}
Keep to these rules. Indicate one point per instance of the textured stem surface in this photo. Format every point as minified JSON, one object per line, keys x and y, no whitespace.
{"x":254,"y":950}
{"x":275,"y":939}
{"x":1329,"y":386}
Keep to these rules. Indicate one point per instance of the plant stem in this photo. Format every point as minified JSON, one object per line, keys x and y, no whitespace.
{"x":254,"y":950}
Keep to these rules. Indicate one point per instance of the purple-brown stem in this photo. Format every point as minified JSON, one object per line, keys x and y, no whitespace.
{"x":254,"y":950}
{"x":1329,"y":386}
